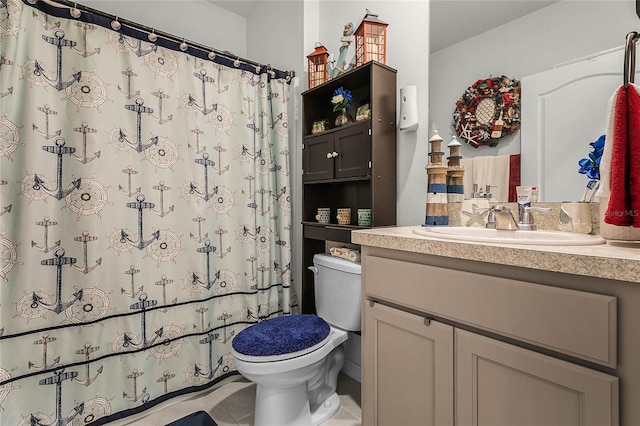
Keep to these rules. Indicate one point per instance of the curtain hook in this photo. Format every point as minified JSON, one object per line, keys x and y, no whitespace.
{"x":152,"y":36}
{"x":74,"y":11}
{"x":115,"y":24}
{"x":236,"y":63}
{"x":212,"y":55}
{"x":184,"y":46}
{"x":270,"y":71}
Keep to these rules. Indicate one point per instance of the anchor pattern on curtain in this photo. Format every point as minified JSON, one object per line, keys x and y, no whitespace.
{"x":145,"y":216}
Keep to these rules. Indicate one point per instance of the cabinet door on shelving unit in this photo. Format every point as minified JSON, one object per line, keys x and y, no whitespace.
{"x":317,"y":159}
{"x":353,"y":146}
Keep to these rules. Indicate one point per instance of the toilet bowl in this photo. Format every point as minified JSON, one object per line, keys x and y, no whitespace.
{"x":295,"y":360}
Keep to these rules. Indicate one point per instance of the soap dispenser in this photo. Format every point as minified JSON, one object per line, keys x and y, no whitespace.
{"x":475,"y":193}
{"x":474,"y":211}
{"x":487,"y":193}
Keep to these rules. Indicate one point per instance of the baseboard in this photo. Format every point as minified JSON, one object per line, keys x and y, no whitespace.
{"x":352,"y":370}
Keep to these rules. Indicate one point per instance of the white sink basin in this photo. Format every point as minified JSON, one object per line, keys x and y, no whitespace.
{"x":547,"y":238}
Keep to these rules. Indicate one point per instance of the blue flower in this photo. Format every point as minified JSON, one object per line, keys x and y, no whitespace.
{"x":341,"y":99}
{"x":591,"y":166}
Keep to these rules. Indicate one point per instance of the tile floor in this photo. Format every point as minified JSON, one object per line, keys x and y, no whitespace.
{"x":232,"y":405}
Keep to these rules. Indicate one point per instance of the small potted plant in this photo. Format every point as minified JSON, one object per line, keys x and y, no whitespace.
{"x":341,"y":101}
{"x":591,"y":167}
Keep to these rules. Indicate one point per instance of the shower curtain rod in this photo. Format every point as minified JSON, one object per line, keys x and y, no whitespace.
{"x":149,"y":30}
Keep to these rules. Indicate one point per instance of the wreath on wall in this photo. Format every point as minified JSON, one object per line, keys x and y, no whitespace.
{"x":488,"y":110}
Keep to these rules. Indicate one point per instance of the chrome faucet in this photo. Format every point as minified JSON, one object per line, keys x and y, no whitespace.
{"x":526,"y":218}
{"x":501,"y":217}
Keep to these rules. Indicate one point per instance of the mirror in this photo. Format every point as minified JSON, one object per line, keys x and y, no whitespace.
{"x":551,"y":138}
{"x":520,"y":44}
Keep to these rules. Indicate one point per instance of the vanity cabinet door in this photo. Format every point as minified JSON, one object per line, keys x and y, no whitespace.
{"x":501,"y":384}
{"x":407,"y":369}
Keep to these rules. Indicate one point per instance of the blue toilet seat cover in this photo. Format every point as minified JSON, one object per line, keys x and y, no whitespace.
{"x":281,"y":335}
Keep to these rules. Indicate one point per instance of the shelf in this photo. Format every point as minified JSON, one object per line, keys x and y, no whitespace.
{"x":339,"y":164}
{"x":339,"y":180}
{"x":316,"y":102}
{"x":334,"y":225}
{"x":327,"y":232}
{"x":355,"y":76}
{"x":335,"y":129}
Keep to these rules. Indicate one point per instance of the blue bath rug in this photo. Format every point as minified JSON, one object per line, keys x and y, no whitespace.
{"x":199,"y":418}
{"x":281,"y":335}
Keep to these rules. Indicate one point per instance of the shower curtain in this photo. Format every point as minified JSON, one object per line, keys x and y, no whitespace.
{"x":144,"y":214}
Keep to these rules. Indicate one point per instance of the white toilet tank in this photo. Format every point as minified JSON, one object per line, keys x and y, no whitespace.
{"x":338,"y":291}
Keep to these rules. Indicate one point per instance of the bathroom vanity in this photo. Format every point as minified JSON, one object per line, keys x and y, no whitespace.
{"x":482,"y":333}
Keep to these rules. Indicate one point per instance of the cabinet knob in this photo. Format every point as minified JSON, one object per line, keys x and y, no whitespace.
{"x":334,"y":154}
{"x":329,"y":155}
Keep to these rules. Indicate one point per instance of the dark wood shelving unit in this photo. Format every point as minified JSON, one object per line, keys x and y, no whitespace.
{"x":349,"y":166}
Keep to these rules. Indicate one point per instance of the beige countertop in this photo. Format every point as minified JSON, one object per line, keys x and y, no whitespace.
{"x":613,"y":260}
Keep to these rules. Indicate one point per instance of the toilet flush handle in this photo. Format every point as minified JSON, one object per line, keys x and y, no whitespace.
{"x":314,"y":270}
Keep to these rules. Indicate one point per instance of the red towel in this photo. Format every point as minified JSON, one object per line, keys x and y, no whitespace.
{"x":633,"y":123}
{"x":624,"y":201}
{"x":617,"y":207}
{"x":514,"y":177}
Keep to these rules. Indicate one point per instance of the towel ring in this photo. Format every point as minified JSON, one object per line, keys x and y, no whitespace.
{"x":630,"y":58}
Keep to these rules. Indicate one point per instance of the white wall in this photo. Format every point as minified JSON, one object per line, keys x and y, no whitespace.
{"x":195,"y":20}
{"x":553,"y":35}
{"x":407,"y":52}
{"x":274,"y":30}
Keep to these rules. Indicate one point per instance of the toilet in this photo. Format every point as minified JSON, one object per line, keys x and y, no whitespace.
{"x":294,"y":360}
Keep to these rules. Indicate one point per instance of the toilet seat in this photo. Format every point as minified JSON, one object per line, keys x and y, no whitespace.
{"x":281,"y":338}
{"x":281,"y":357}
{"x":272,"y":365}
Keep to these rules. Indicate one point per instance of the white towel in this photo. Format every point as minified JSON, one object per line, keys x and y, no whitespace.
{"x":467,"y":180}
{"x":605,"y":162}
{"x":494,"y":171}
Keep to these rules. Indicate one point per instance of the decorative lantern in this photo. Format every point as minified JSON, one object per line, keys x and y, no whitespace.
{"x":371,"y":40}
{"x":318,"y":66}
